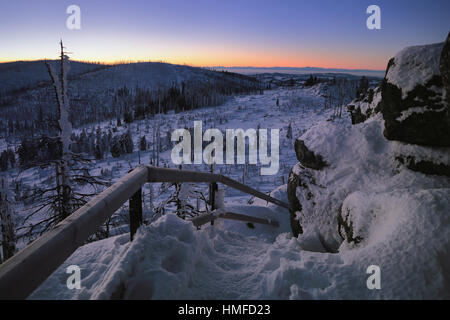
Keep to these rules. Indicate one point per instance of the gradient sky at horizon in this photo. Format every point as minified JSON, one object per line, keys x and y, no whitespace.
{"x":259,"y":33}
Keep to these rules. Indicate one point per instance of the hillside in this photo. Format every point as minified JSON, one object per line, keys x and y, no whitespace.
{"x":96,"y":92}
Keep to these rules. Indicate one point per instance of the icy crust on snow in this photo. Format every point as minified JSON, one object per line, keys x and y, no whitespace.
{"x":414,"y":66}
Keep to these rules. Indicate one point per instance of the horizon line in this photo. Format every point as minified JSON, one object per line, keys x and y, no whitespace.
{"x":119,"y":62}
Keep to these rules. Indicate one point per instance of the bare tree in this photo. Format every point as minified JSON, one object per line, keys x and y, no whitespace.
{"x":61,"y":199}
{"x":63,"y":187}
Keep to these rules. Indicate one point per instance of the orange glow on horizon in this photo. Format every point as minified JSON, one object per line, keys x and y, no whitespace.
{"x":208,"y":61}
{"x":208,"y":54}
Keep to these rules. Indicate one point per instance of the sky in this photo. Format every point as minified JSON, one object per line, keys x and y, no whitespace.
{"x":258,"y":33}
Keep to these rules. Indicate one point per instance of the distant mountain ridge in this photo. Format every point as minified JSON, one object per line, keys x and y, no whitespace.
{"x":298,"y":70}
{"x":20,"y":76}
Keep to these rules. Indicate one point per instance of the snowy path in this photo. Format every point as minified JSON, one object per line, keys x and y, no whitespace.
{"x":171,"y":260}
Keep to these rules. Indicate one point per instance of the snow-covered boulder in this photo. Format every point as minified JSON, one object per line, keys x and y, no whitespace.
{"x":366,"y":205}
{"x":302,"y":178}
{"x":414,"y":105}
{"x":413,"y":97}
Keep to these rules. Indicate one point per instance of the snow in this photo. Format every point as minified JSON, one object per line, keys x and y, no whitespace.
{"x":416,"y":110}
{"x":171,"y":260}
{"x":401,"y":215}
{"x":93,"y":259}
{"x":415,"y":66}
{"x":360,"y":158}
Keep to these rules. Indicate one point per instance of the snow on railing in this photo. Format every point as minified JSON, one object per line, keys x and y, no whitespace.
{"x":24,"y":272}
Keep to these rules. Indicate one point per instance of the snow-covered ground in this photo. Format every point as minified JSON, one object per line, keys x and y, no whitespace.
{"x":299,"y":107}
{"x":229,"y":252}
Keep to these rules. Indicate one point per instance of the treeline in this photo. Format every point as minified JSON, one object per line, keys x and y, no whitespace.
{"x":140,"y":103}
{"x":96,"y":144}
{"x":312,"y":80}
{"x":37,"y":114}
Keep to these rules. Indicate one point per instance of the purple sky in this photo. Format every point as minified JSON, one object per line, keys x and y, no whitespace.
{"x":320,"y":33}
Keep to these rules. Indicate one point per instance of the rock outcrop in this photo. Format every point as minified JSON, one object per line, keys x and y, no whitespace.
{"x":413,"y":100}
{"x":375,"y":191}
{"x":444,"y":67}
{"x":364,"y":107}
{"x":414,"y":105}
{"x":403,"y":124}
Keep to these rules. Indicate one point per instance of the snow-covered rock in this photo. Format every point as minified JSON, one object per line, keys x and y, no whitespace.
{"x":413,"y":98}
{"x":368,"y":206}
{"x":367,"y":203}
{"x":363,"y":108}
{"x":414,"y":66}
{"x":414,"y":104}
{"x":383,"y":196}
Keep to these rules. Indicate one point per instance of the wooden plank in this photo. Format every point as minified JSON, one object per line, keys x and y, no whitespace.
{"x":245,"y":218}
{"x":156,"y":174}
{"x":25,"y":271}
{"x":204,"y":219}
{"x":242,"y":187}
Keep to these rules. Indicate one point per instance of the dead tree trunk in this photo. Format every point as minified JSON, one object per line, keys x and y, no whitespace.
{"x":7,"y":224}
{"x":64,"y":189}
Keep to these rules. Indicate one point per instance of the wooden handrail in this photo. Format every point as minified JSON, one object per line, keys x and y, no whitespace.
{"x":25,"y":271}
{"x":174,"y":175}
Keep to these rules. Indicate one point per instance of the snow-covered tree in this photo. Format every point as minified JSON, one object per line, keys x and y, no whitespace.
{"x":59,"y":199}
{"x":64,"y":189}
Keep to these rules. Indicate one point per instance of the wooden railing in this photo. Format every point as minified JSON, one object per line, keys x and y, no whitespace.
{"x":24,"y":272}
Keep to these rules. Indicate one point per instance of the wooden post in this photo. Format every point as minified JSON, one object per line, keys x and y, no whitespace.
{"x":135,"y":212}
{"x":212,"y":197}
